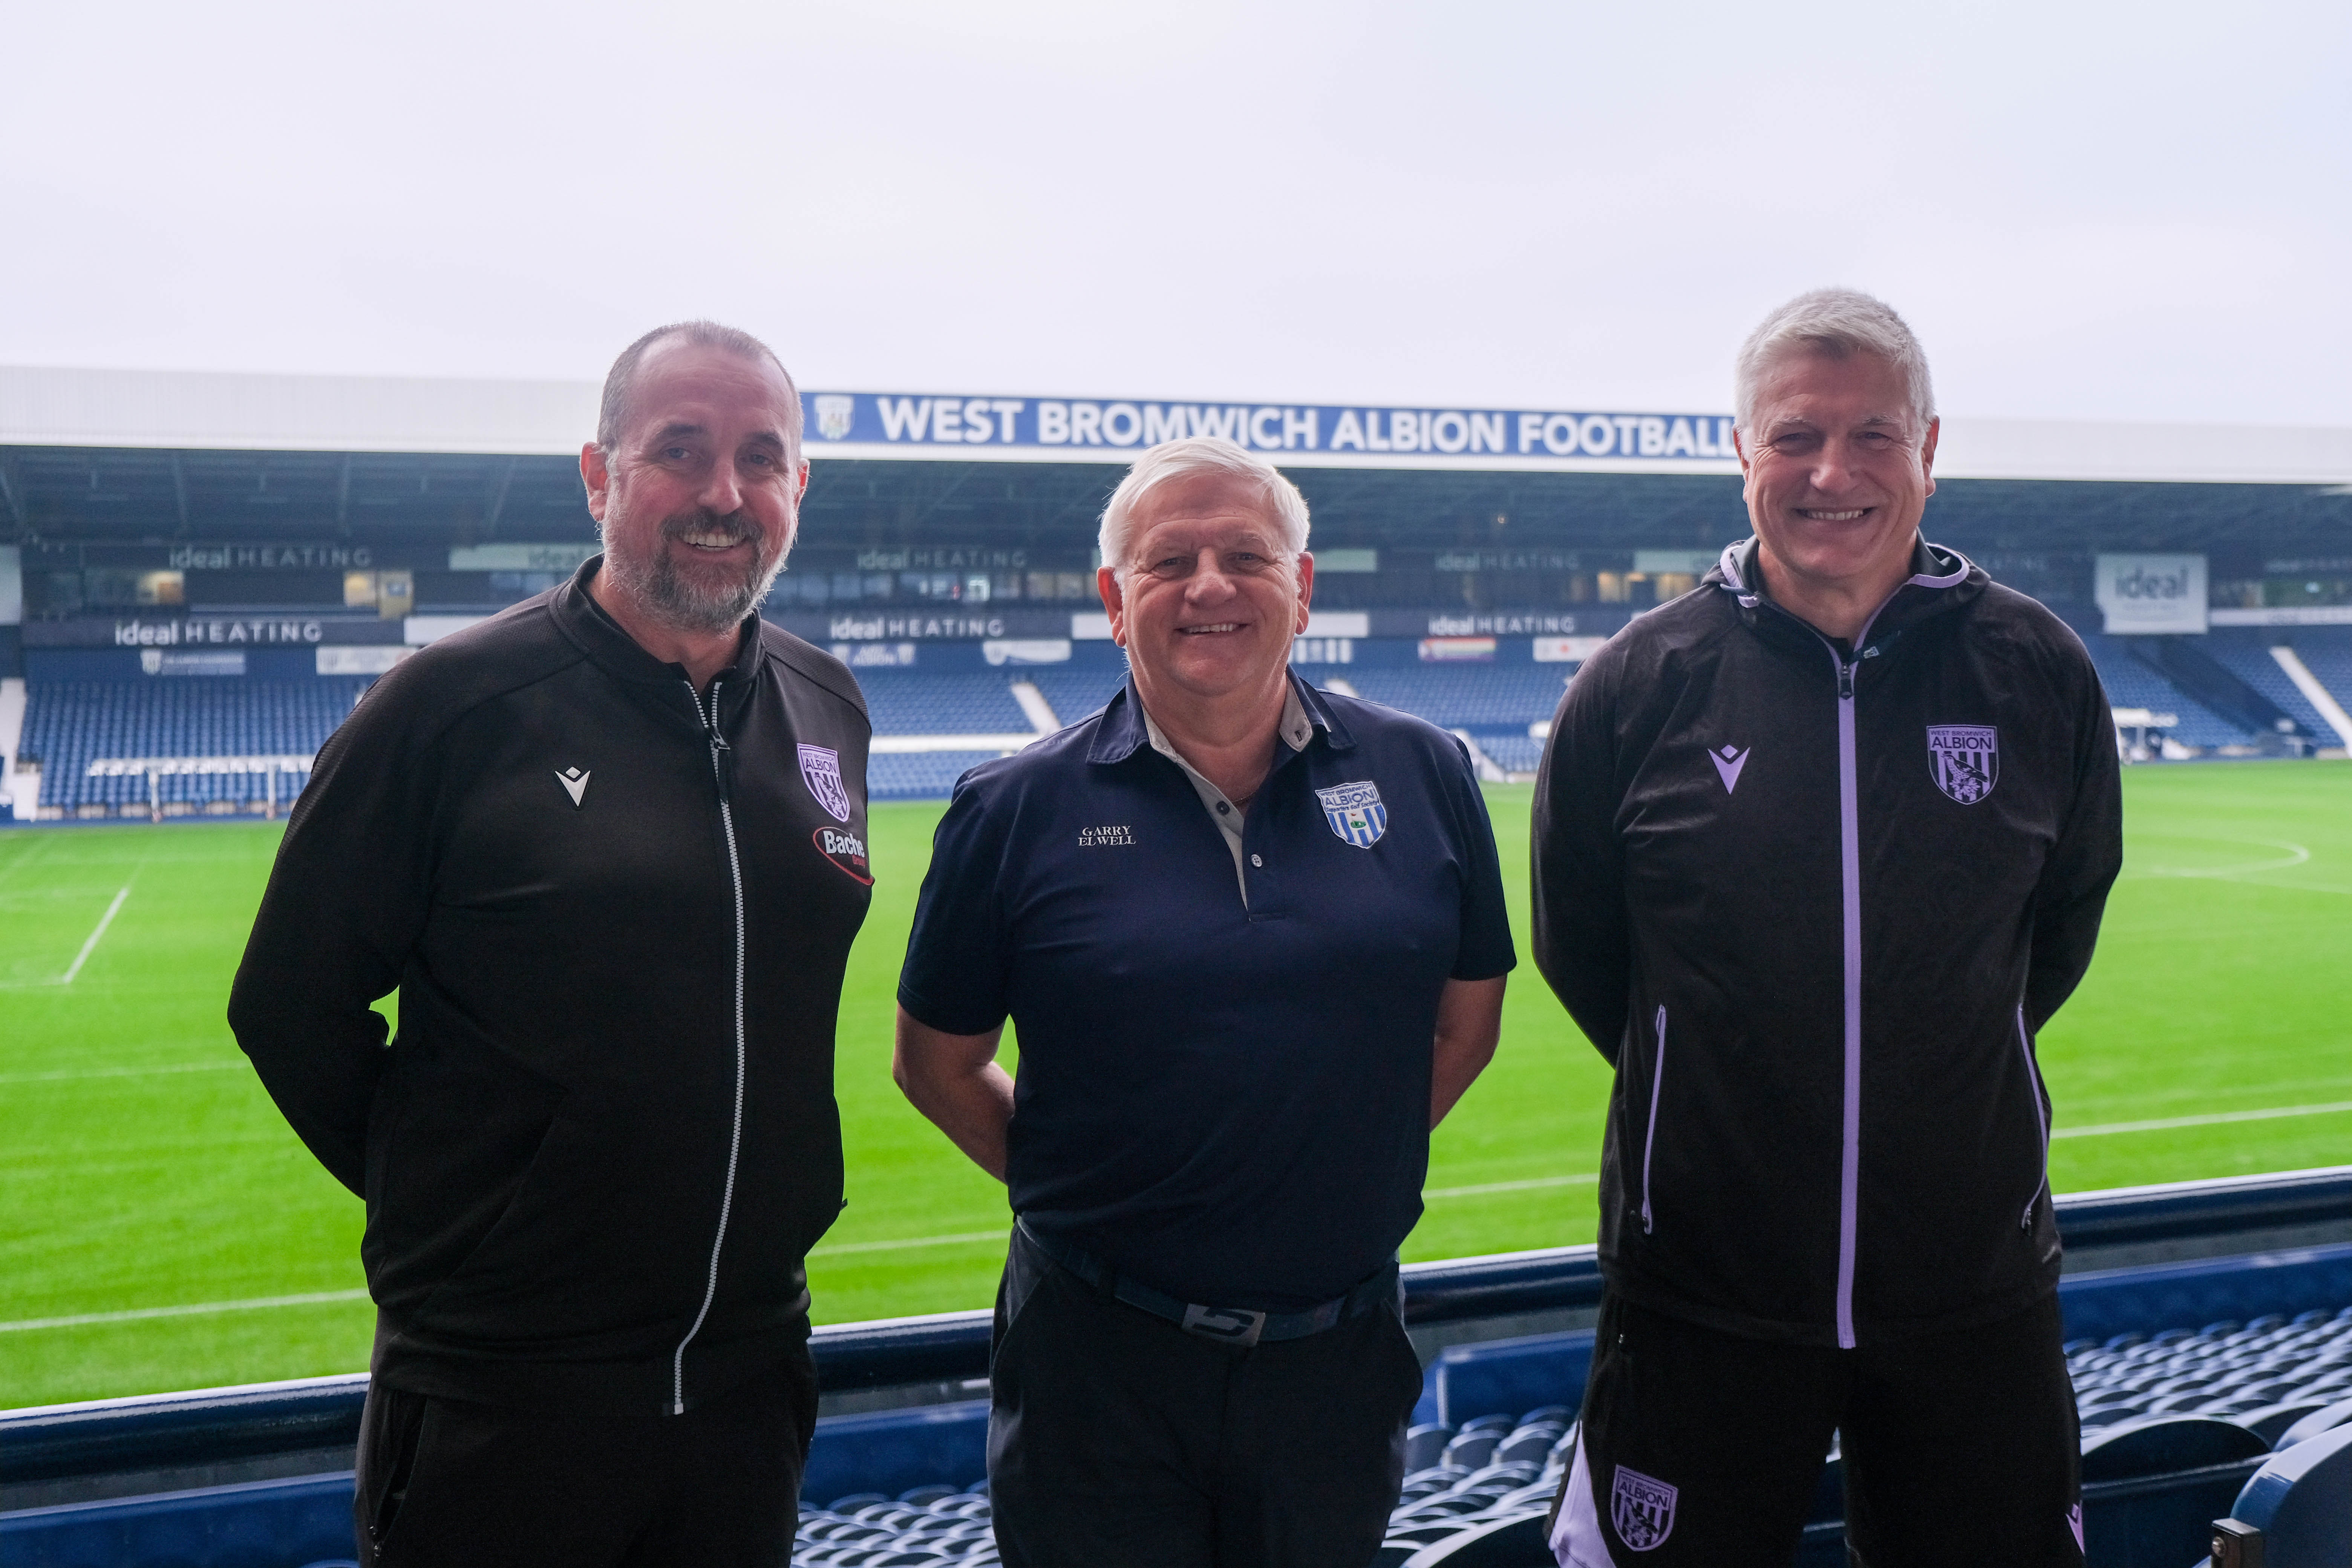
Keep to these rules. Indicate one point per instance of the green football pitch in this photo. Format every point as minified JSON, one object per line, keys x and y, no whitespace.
{"x":161,"y":1228}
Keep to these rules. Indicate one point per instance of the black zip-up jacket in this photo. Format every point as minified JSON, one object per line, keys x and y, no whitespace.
{"x":617,"y":913}
{"x":1812,"y":901}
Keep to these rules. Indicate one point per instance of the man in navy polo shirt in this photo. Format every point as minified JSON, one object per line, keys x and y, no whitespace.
{"x":1253,"y":937}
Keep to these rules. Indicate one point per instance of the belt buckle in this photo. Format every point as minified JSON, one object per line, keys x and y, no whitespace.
{"x":1226,"y":1325}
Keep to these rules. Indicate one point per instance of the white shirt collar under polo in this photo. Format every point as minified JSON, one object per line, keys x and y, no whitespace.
{"x":1295,"y":730}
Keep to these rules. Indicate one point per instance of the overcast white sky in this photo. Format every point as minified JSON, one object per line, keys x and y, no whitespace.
{"x":2139,"y":211}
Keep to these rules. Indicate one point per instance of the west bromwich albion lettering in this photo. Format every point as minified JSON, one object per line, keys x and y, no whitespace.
{"x":891,"y":419}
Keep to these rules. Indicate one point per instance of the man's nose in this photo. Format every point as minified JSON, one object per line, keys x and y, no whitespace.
{"x":1209,"y":580}
{"x":1833,"y":467}
{"x":721,"y":492}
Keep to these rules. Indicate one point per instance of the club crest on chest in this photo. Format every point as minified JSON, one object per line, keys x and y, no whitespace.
{"x":821,"y":769}
{"x":1963,"y":759}
{"x":1355,"y":813}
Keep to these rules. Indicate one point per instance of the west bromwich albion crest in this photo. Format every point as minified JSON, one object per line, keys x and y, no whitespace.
{"x":1965,"y":759}
{"x":821,"y":766}
{"x":1642,"y":1509}
{"x":834,"y":414}
{"x":1355,"y":813}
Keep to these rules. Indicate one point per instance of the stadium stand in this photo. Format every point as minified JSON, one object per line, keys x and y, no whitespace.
{"x":1476,"y":697}
{"x":923,"y":775}
{"x":2131,"y":684}
{"x":1075,"y":694}
{"x":915,"y":702}
{"x":68,"y":724}
{"x":2245,"y":652}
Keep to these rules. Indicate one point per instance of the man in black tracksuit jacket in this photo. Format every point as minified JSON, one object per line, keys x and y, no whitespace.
{"x":615,"y":894}
{"x":1812,"y":895}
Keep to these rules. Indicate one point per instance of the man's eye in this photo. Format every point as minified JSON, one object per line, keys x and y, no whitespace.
{"x":677,"y":454}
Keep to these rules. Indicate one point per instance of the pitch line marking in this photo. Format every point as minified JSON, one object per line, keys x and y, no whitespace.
{"x":118,"y":1072}
{"x":2213,"y":1118}
{"x":960,"y":1237}
{"x":197,"y":1309}
{"x":91,"y":946}
{"x":1529,"y":1185}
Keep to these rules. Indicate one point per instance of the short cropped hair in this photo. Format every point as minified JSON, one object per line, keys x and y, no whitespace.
{"x":1198,"y":457}
{"x":614,"y":410}
{"x":1837,"y":323}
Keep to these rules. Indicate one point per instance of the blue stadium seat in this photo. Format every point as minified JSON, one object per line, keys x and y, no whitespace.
{"x":68,"y":723}
{"x":2302,"y":1502}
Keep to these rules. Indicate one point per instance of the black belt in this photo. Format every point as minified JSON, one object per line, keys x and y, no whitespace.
{"x":1226,"y":1325}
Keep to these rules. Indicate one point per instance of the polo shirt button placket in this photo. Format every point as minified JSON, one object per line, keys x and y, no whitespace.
{"x":1255,"y":861}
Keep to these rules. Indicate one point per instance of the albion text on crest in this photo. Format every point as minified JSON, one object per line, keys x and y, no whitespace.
{"x":821,"y":766}
{"x":1642,"y":1509}
{"x":1355,"y":813}
{"x":1964,"y":758}
{"x":833,"y":413}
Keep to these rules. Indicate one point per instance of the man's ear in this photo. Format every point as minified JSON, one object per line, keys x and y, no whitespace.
{"x":1306,"y":590}
{"x":1114,"y":603}
{"x":1927,"y":454}
{"x":598,"y":477}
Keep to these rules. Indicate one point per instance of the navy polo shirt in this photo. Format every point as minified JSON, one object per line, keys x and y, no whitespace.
{"x":1227,"y":1102}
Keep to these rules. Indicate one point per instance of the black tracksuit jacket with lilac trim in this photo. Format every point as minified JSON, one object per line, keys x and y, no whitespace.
{"x":1813,"y":901}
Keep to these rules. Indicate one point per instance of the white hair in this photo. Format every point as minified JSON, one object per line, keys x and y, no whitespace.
{"x":1197,"y":457}
{"x":1837,"y":323}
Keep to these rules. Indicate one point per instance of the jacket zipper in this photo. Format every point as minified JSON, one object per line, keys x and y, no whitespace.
{"x":720,"y":761}
{"x":2040,"y":1117}
{"x":1849,"y":897}
{"x":1650,"y":1138}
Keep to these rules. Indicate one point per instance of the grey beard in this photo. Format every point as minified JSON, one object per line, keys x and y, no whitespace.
{"x":670,"y":598}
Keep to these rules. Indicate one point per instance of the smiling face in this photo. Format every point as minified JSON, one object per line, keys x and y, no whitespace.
{"x":1209,"y":597}
{"x":700,"y":497}
{"x":1838,"y":471}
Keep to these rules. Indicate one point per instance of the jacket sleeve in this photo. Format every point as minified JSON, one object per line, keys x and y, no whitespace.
{"x":345,"y":904}
{"x":2072,"y":892}
{"x":1583,"y":944}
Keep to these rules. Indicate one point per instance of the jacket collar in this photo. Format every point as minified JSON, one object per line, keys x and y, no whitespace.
{"x":619,"y":655}
{"x":1121,"y":731}
{"x":1941,"y":579}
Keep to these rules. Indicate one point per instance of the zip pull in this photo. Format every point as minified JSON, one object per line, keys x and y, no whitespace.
{"x":723,"y":755}
{"x":1846,"y":682}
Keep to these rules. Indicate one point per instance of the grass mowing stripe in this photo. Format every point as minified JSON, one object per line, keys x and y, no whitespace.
{"x":193,"y":1310}
{"x":91,"y":946}
{"x":2212,"y":1118}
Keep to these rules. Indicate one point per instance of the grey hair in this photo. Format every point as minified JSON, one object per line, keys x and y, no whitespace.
{"x":1197,"y":457}
{"x":614,"y":409}
{"x":1836,"y":323}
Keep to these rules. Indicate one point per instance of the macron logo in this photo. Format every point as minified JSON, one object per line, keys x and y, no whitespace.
{"x":1728,"y":764}
{"x":575,"y":785}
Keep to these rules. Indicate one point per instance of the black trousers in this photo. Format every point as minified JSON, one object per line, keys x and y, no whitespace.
{"x":447,"y":1483}
{"x":1700,"y":1447}
{"x":1117,"y":1440}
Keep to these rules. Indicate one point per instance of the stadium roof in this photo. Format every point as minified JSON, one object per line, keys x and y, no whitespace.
{"x":110,"y":455}
{"x":190,"y":410}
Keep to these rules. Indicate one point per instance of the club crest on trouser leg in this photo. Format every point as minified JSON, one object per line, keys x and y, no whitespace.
{"x":821,"y":766}
{"x":1964,"y":758}
{"x":1355,"y":813}
{"x":1642,"y":1509}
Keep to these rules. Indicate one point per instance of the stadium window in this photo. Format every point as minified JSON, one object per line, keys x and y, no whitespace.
{"x":1074,"y":585}
{"x":1613,"y":589}
{"x":359,"y":590}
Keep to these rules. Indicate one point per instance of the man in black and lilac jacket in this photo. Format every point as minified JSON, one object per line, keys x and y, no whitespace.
{"x":1819,"y":848}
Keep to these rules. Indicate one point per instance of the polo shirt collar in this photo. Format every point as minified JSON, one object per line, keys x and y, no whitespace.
{"x":1125,"y":730}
